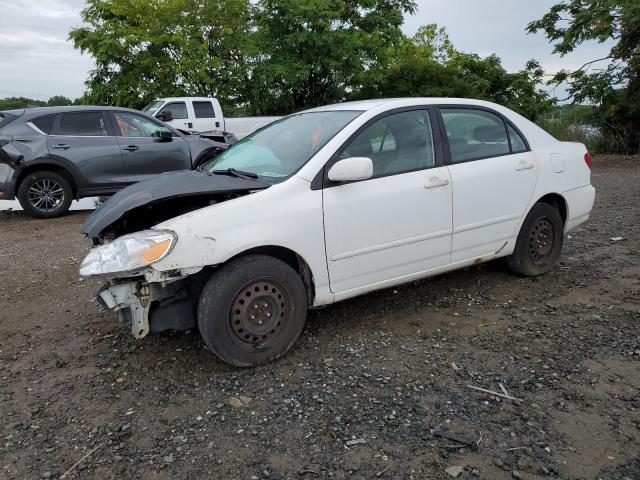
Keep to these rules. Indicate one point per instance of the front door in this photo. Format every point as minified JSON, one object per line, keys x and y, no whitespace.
{"x":397,"y":223}
{"x":145,"y":153}
{"x":493,"y":174}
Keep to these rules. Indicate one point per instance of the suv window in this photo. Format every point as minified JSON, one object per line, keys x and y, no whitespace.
{"x":401,"y":142}
{"x":203,"y":110}
{"x":132,"y":125}
{"x":474,"y":134}
{"x":44,"y":123}
{"x":83,"y":124}
{"x":178,"y":110}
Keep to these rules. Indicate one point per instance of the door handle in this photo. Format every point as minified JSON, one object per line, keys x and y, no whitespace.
{"x":436,"y":182}
{"x":131,"y":148}
{"x":523,"y":165}
{"x":61,"y":146}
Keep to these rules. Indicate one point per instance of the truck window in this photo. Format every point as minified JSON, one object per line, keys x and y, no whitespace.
{"x":178,"y":110}
{"x":203,"y":110}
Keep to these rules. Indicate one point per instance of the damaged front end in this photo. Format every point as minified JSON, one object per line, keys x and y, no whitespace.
{"x":126,"y":247}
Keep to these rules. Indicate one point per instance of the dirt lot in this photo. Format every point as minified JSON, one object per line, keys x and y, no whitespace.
{"x":385,"y":370}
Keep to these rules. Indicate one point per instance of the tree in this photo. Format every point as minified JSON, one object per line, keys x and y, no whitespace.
{"x":427,"y":64}
{"x":59,"y":100}
{"x":144,"y":49}
{"x":314,"y":52}
{"x":616,"y":86}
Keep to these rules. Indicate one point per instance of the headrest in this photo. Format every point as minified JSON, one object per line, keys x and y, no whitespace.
{"x":490,"y":133}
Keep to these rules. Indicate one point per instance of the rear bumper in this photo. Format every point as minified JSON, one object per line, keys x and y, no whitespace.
{"x":6,"y":182}
{"x":579,"y":202}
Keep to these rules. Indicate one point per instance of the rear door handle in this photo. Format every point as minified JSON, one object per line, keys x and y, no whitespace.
{"x":523,"y":165}
{"x":131,"y":148}
{"x":436,"y":182}
{"x":61,"y":146}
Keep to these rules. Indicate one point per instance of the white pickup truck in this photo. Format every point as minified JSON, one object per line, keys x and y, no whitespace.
{"x":200,"y":114}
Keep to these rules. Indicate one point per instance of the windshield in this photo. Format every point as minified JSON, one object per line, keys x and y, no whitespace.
{"x":152,"y":107}
{"x":283,"y":147}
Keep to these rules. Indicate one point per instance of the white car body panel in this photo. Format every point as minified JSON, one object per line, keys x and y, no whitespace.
{"x":390,"y":230}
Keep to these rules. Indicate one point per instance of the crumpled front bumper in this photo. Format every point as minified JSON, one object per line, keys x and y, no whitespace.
{"x":131,"y":301}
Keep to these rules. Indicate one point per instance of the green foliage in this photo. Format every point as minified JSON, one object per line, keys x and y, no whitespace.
{"x":23,"y":102}
{"x":616,"y":87}
{"x":428,"y":65}
{"x":149,"y":48}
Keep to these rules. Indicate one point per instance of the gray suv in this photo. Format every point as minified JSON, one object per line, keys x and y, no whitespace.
{"x":52,"y":155}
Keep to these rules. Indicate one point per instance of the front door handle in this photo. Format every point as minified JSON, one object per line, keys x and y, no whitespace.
{"x":61,"y":146}
{"x":524,"y":165}
{"x":131,"y":148}
{"x":436,"y":182}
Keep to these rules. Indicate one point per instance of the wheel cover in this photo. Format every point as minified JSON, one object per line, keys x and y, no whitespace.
{"x":541,"y":240}
{"x":45,"y":195}
{"x":259,"y":313}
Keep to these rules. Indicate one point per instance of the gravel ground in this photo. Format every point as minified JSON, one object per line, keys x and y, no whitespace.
{"x":363,"y":390}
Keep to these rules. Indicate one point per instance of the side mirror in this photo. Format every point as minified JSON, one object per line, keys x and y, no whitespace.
{"x":351,"y":169}
{"x":165,"y":116}
{"x":164,"y":135}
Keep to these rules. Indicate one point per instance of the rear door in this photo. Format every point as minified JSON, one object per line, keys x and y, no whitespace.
{"x":86,"y":139}
{"x":144,"y":152}
{"x":204,"y":116}
{"x":493,"y":172}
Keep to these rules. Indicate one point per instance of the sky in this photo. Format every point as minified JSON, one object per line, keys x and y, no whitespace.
{"x":38,"y":61}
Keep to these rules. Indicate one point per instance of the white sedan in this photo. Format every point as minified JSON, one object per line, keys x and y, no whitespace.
{"x":331,"y":203}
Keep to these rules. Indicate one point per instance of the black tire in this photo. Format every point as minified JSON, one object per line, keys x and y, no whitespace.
{"x":539,"y":242}
{"x":252,"y":310}
{"x":45,"y":194}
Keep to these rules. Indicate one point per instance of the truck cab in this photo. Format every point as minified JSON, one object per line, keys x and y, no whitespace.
{"x":201,"y":114}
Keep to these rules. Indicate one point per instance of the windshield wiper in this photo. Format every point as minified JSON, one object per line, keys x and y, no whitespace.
{"x":234,"y":173}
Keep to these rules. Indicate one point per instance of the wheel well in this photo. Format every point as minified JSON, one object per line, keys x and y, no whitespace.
{"x":292,"y":259}
{"x":558,"y":202}
{"x":47,"y":167}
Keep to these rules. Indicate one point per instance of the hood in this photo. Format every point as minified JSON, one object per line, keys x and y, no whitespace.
{"x":176,"y":186}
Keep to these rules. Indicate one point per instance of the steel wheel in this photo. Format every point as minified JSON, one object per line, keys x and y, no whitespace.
{"x":259,"y":313}
{"x":46,"y":195}
{"x":541,"y":240}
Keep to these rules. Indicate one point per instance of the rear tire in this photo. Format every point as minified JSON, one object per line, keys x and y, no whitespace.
{"x":252,"y":310}
{"x":539,"y":242}
{"x":45,"y":194}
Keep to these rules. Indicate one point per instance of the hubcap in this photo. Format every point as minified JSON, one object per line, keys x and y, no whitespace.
{"x":259,"y":313}
{"x":45,"y":195}
{"x":541,"y":240}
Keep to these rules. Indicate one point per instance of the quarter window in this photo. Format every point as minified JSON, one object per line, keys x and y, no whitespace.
{"x":178,"y":110}
{"x":474,"y":134}
{"x":83,"y":124}
{"x":203,"y":110}
{"x":131,"y":125}
{"x":44,"y":123}
{"x":517,"y":142}
{"x":401,"y":142}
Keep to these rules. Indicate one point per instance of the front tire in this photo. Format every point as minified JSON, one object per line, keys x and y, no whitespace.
{"x":45,"y":194}
{"x":252,"y":310}
{"x":539,"y":242}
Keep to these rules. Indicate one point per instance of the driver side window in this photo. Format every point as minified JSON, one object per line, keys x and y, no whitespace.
{"x":399,"y":143}
{"x":132,"y":125}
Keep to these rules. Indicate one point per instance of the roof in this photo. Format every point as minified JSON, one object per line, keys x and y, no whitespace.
{"x":37,"y":111}
{"x":364,"y":105}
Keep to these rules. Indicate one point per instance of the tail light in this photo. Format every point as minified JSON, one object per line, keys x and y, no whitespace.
{"x":587,"y":159}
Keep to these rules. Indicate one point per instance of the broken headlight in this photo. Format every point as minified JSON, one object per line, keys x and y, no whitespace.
{"x":128,"y":253}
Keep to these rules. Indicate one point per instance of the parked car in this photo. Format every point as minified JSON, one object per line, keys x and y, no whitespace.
{"x":55,"y":154}
{"x":198,"y":114}
{"x":332,"y":203}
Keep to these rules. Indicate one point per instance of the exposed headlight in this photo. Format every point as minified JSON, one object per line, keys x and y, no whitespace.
{"x":128,"y":253}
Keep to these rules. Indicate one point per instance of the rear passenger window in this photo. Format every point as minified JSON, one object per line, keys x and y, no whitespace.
{"x":203,"y":110}
{"x":44,"y":123}
{"x":517,"y":142}
{"x":474,"y":134}
{"x":83,"y":124}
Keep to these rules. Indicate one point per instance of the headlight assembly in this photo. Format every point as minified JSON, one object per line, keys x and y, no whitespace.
{"x":128,"y":253}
